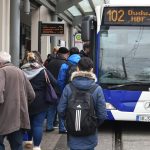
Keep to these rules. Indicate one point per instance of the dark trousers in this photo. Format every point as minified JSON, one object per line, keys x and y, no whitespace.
{"x":15,"y":140}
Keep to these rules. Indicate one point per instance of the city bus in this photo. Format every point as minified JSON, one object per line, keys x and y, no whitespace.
{"x":119,"y":37}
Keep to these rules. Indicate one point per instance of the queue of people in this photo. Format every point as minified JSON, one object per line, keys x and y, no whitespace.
{"x":23,"y":107}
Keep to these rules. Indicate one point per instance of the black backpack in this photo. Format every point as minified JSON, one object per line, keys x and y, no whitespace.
{"x":81,"y":119}
{"x":71,"y":68}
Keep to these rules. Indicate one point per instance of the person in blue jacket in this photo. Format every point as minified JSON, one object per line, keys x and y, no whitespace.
{"x":72,"y":59}
{"x":84,"y":78}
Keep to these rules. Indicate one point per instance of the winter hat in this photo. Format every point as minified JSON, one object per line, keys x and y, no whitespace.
{"x":63,"y":50}
{"x":4,"y":56}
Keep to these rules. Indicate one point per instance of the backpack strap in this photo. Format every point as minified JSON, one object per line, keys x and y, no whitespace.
{"x":69,"y":64}
{"x":93,"y":88}
{"x":72,"y":87}
{"x":67,"y":72}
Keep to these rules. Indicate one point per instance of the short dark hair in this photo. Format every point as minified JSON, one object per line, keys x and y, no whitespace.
{"x":86,"y":45}
{"x":63,"y":50}
{"x":85,"y":64}
{"x":74,"y":50}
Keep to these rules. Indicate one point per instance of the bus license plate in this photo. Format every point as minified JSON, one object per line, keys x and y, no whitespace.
{"x":144,"y":118}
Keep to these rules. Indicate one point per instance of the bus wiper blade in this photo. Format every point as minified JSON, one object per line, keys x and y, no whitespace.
{"x":143,"y":82}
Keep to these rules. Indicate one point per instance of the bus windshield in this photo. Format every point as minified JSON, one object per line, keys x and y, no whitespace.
{"x":124,"y":54}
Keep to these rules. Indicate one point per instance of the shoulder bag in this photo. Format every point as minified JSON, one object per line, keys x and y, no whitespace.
{"x":51,"y":96}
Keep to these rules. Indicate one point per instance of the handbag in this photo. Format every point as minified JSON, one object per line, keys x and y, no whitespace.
{"x":51,"y":96}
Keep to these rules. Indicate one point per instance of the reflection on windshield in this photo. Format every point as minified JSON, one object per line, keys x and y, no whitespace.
{"x":124,"y":54}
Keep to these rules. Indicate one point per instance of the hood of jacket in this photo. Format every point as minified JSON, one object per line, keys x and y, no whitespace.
{"x":83,"y":79}
{"x":74,"y":59}
{"x":31,"y":70}
{"x":5,"y":63}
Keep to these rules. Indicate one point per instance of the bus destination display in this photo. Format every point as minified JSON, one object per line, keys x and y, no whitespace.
{"x":138,"y":16}
{"x":52,"y":28}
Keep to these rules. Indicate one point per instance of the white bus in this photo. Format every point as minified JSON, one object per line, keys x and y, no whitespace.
{"x":119,"y":37}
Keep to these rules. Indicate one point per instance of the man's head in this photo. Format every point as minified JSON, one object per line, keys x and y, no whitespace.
{"x":86,"y":48}
{"x":5,"y":57}
{"x":74,"y":50}
{"x":64,"y":52}
{"x":85,"y":64}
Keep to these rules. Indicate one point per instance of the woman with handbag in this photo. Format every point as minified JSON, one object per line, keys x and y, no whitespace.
{"x":38,"y":76}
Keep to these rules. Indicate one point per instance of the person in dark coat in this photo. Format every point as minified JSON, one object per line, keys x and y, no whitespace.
{"x":86,"y":50}
{"x":84,"y":78}
{"x":34,"y":71}
{"x":54,"y":66}
{"x":51,"y":56}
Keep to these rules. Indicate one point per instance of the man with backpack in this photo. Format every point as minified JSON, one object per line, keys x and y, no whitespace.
{"x":68,"y":67}
{"x":82,"y":104}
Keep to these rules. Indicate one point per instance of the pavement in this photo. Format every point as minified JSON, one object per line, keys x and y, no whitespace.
{"x":51,"y":141}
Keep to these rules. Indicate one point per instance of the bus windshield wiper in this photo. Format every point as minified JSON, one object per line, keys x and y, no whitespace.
{"x":136,"y":82}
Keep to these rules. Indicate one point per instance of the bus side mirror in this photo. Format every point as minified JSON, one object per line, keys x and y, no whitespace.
{"x":86,"y":27}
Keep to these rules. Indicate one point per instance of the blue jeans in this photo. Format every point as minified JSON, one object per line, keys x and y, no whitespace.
{"x":15,"y":140}
{"x":61,"y":124}
{"x":36,"y":131}
{"x":51,"y":116}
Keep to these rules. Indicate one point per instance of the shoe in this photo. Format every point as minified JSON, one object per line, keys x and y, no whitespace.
{"x":62,"y":132}
{"x":49,"y":130}
{"x":55,"y":127}
{"x":28,"y":144}
{"x":56,"y":124}
{"x":36,"y":148}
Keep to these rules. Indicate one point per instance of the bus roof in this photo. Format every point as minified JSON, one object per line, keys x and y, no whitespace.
{"x":129,"y":3}
{"x":107,"y":5}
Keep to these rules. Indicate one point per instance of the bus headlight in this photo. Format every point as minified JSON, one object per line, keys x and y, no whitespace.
{"x":110,"y":106}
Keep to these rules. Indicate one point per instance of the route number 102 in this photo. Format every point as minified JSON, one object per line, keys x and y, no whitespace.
{"x":116,"y":15}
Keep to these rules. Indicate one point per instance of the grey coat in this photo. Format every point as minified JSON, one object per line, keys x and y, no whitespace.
{"x":15,"y":94}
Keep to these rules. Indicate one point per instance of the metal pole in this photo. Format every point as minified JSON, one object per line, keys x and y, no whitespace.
{"x":54,"y":38}
{"x":15,"y":31}
{"x":39,"y":36}
{"x":72,"y":37}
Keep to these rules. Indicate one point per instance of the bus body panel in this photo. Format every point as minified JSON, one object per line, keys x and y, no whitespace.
{"x":122,"y":100}
{"x":129,"y":104}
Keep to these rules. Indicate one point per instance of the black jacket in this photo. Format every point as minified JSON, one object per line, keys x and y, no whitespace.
{"x":39,"y":86}
{"x":55,"y":64}
{"x":83,"y":54}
